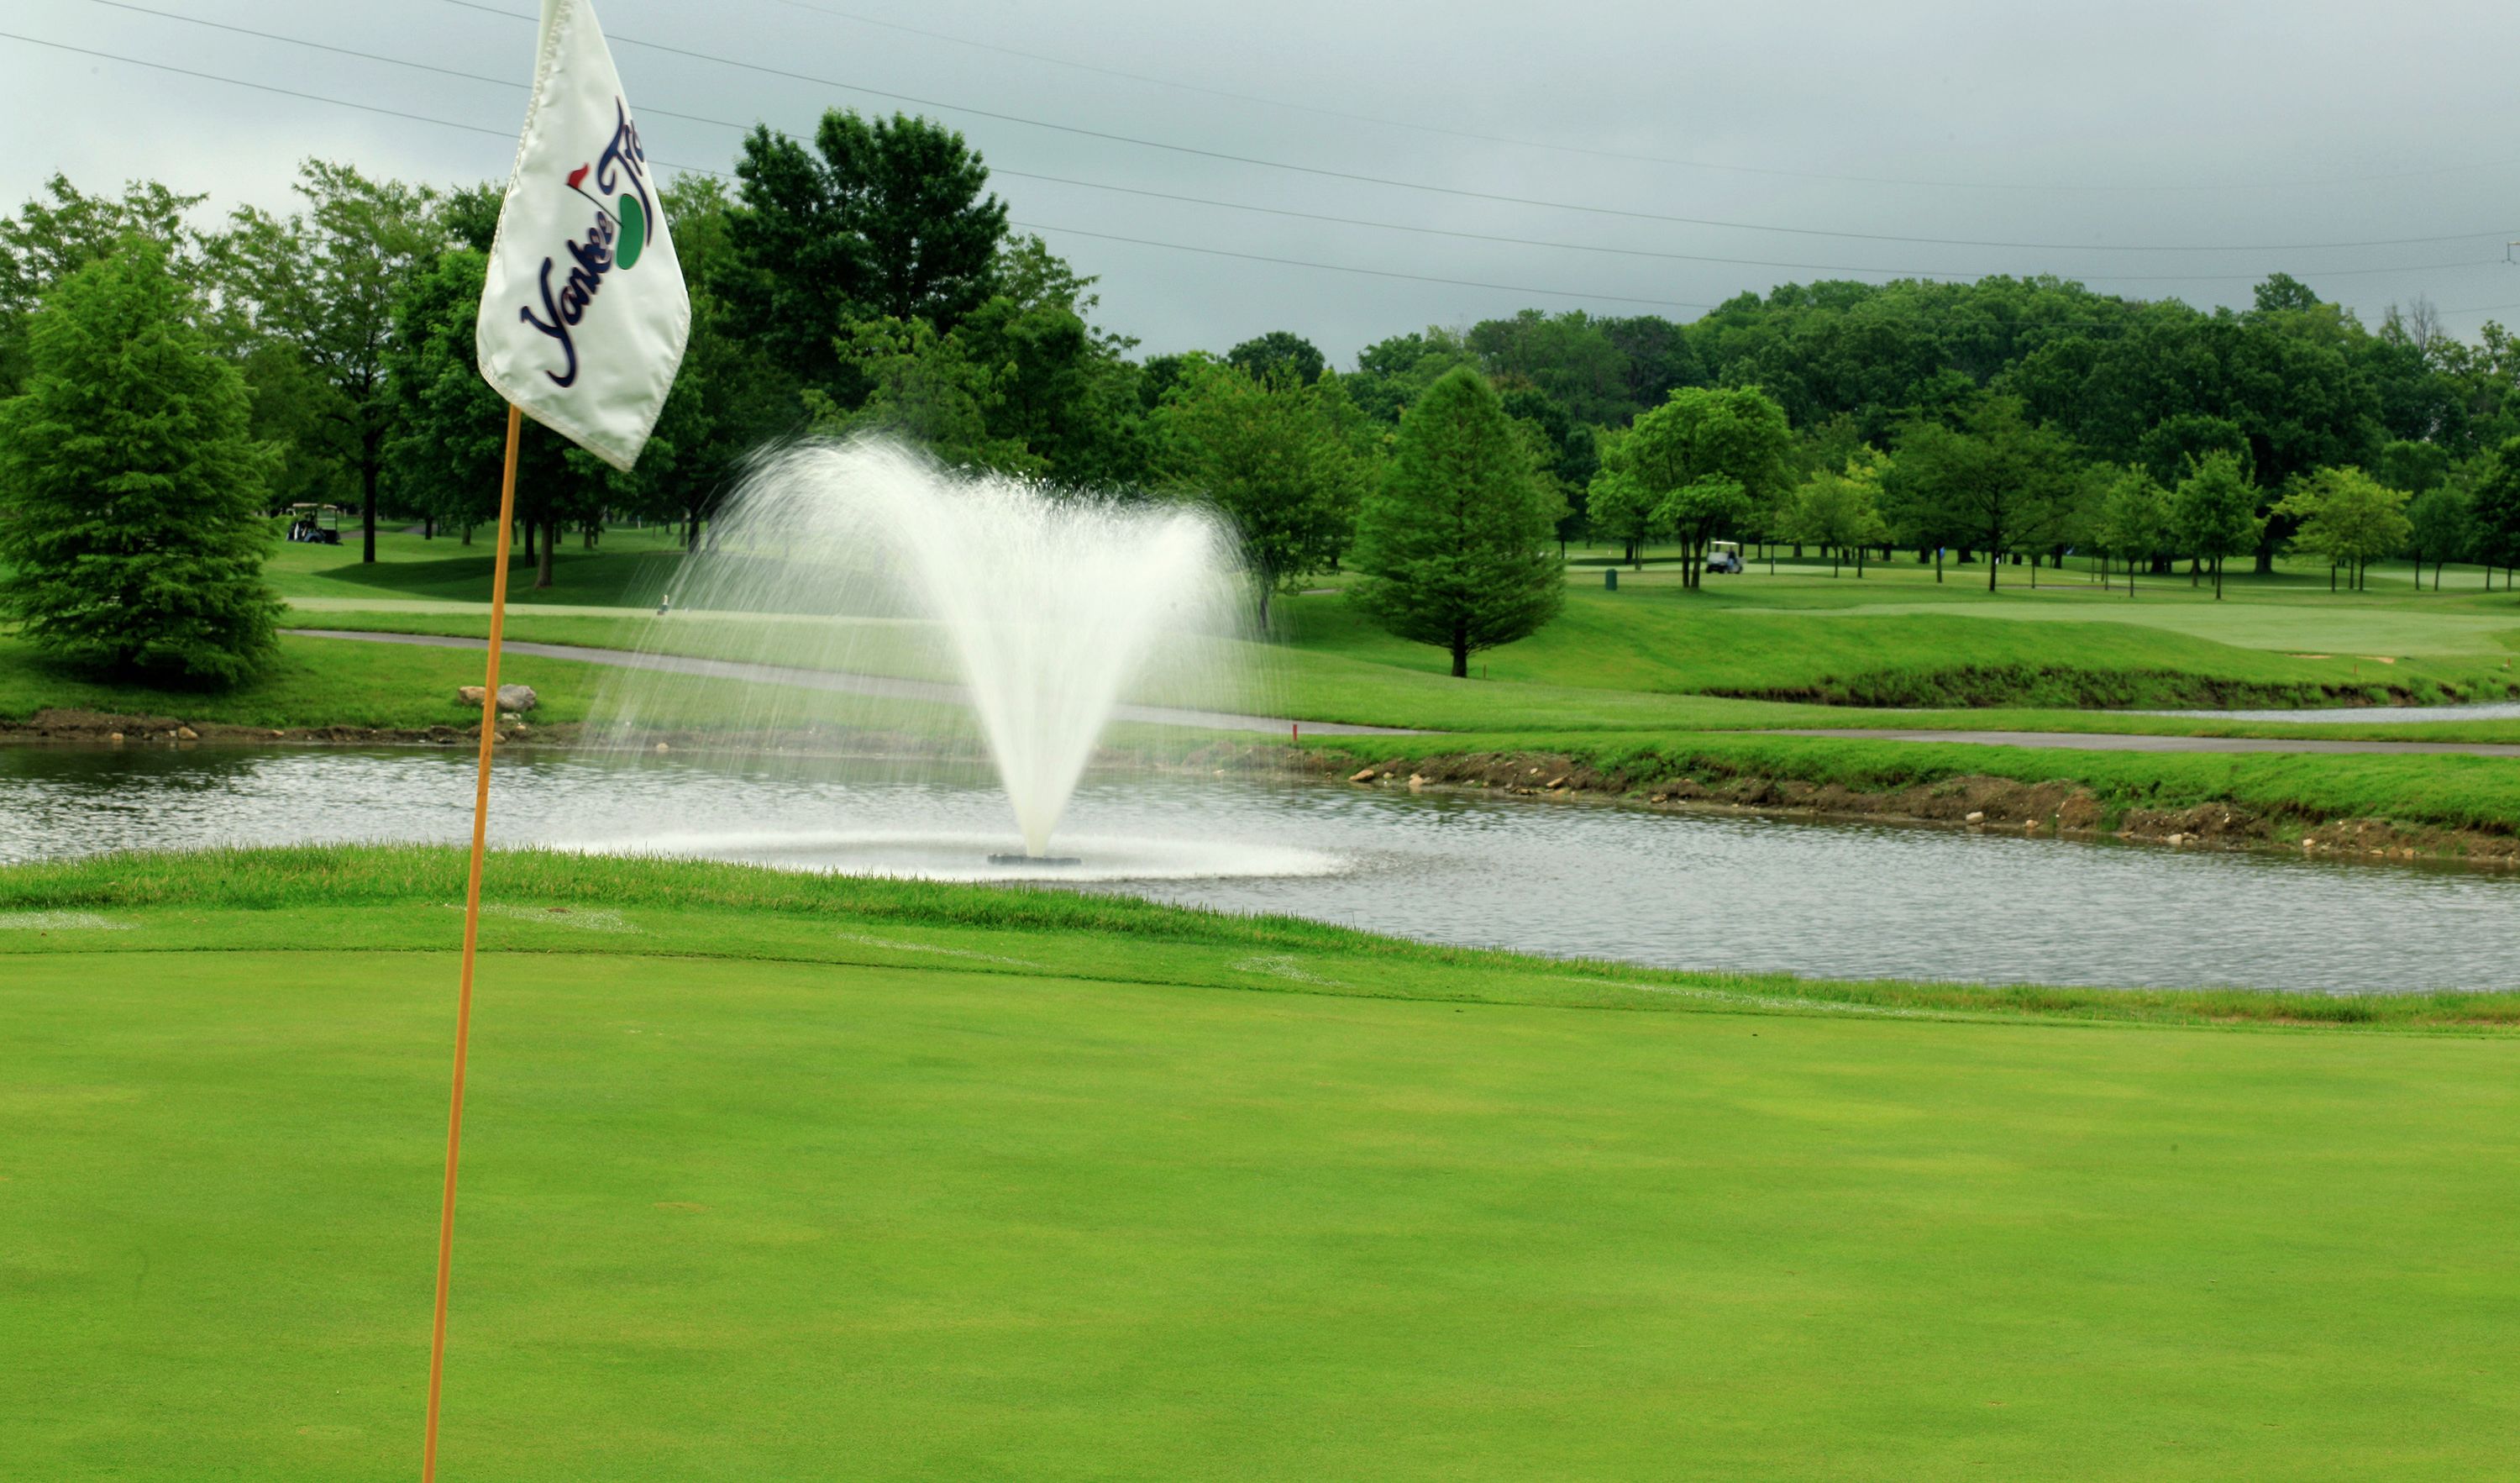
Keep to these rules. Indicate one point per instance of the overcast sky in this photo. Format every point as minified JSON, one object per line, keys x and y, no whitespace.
{"x":2250,"y":138}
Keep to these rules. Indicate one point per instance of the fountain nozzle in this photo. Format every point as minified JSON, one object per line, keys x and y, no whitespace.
{"x":1034,"y":860}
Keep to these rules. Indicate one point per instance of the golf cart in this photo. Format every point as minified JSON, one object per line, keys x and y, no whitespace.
{"x":1724,"y":557}
{"x":319,"y":524}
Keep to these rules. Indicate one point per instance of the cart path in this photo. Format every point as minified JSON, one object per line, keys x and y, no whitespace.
{"x":2143,"y":741}
{"x":846,"y":684}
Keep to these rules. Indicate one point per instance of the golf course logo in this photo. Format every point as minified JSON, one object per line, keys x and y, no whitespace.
{"x":625,"y":219}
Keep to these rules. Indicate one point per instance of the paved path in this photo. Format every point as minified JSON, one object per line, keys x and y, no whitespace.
{"x":845,"y":684}
{"x":2133,"y":741}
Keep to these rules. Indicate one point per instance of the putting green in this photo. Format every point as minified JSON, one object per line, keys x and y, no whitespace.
{"x":728,"y":1219}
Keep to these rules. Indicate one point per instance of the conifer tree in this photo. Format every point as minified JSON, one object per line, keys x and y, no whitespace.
{"x":131,"y":488}
{"x":1454,"y":547}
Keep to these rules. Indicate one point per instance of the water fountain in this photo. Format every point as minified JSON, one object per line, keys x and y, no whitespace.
{"x":913,"y":611}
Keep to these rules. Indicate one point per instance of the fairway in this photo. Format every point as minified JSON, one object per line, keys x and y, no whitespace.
{"x":1049,"y":1204}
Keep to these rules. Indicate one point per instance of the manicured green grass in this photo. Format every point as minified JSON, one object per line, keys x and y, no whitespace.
{"x":775,"y":1177}
{"x":314,"y":683}
{"x":408,"y":566}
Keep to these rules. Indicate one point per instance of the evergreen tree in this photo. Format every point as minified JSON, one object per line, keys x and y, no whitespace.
{"x":1454,"y":545}
{"x":130,"y":485}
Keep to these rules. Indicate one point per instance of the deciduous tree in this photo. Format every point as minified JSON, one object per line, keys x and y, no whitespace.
{"x":1274,"y":456}
{"x":2346,"y":516}
{"x":2213,"y":514}
{"x":1706,"y":458}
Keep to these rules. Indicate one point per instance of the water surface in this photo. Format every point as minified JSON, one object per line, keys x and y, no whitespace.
{"x":1577,"y":880}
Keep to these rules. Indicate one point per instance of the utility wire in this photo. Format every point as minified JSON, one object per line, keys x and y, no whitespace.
{"x":261,"y":87}
{"x":1601,"y":153}
{"x":1350,"y":221}
{"x":1464,"y":283}
{"x":2018,"y":328}
{"x":1490,"y":195}
{"x":473,"y":128}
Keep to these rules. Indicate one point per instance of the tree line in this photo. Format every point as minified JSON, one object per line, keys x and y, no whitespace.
{"x":865,"y":279}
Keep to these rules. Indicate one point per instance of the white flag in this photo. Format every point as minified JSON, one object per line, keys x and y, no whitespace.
{"x":584,"y":315}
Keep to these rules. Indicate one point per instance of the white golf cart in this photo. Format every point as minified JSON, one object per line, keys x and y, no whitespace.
{"x":1724,"y":557}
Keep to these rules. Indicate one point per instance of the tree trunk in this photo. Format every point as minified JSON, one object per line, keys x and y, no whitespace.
{"x":368,"y":511}
{"x":428,"y":527}
{"x":1461,"y":650}
{"x":1994,"y":565}
{"x":468,"y":536}
{"x":551,"y":548}
{"x":1938,"y":565}
{"x":2217,"y":579}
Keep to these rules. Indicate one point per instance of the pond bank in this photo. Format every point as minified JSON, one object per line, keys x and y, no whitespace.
{"x":2052,"y":807}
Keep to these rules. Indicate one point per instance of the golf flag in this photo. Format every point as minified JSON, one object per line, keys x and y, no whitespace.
{"x":583,"y":315}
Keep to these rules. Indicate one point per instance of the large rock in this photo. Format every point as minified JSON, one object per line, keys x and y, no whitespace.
{"x":518,"y":697}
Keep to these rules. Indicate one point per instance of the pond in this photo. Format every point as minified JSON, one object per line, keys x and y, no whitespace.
{"x":1575,"y":879}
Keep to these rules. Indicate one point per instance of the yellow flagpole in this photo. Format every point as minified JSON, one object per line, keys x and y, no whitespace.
{"x":472,"y":940}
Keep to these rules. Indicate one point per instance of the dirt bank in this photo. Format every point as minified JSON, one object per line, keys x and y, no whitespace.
{"x":2049,"y":809}
{"x":109,"y":728}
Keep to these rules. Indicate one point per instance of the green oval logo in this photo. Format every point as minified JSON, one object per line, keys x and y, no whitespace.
{"x":634,"y":234}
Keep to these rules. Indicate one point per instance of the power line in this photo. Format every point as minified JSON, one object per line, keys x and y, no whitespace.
{"x":1291,"y":262}
{"x":261,"y":87}
{"x":701,"y":170}
{"x":1603,"y":154}
{"x":503,"y":134}
{"x":1751,"y":262}
{"x":1489,"y":196}
{"x":1352,"y":221}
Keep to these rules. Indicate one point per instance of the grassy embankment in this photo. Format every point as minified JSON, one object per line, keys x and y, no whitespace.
{"x":770,"y":1176}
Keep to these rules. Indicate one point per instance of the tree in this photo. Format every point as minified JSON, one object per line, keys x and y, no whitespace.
{"x":1260,"y":356}
{"x":1996,"y":482}
{"x":49,"y":239}
{"x":1572,"y":358}
{"x":1453,"y":547}
{"x":2346,"y":516}
{"x":2495,"y":506}
{"x":1391,"y":373}
{"x":131,"y":490}
{"x":2438,"y":525}
{"x":1618,"y":507}
{"x":1706,"y":458}
{"x":451,"y":426}
{"x":326,"y":283}
{"x":2134,"y":522}
{"x":887,"y":218}
{"x":1274,"y":456}
{"x":1840,"y":510}
{"x":2411,"y":465}
{"x":2214,"y":512}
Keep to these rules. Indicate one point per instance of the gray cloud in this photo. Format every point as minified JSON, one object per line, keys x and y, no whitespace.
{"x":2081,"y":128}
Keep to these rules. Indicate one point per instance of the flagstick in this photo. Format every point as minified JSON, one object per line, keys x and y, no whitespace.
{"x":471,"y":939}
